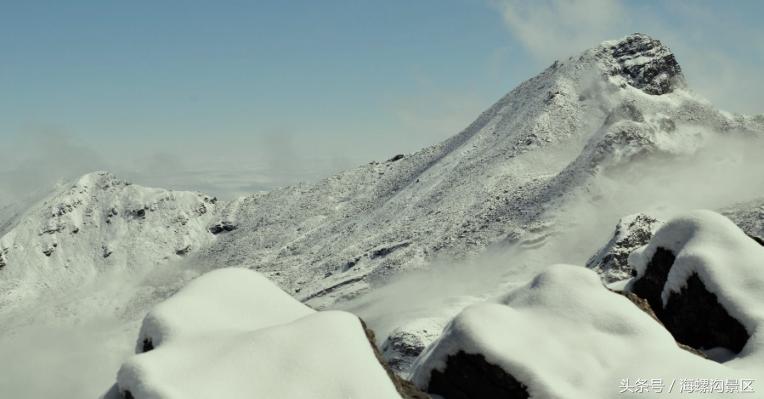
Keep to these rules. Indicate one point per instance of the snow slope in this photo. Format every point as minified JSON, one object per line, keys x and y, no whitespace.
{"x":541,"y":172}
{"x":503,"y":179}
{"x":231,"y":333}
{"x":509,"y":177}
{"x":98,"y":225}
{"x":564,"y":335}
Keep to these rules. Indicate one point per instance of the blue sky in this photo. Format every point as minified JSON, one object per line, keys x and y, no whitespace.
{"x":314,"y":86}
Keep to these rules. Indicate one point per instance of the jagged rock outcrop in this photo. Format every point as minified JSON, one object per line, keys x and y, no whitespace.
{"x":631,"y":232}
{"x":222,"y":227}
{"x":647,"y":64}
{"x":635,"y":231}
{"x":405,"y":388}
{"x":404,"y":344}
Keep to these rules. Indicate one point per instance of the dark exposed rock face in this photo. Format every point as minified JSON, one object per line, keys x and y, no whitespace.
{"x":469,"y":376}
{"x":396,"y":158}
{"x":183,"y":251}
{"x":351,"y":263}
{"x":645,"y":307}
{"x":138,"y":213}
{"x":757,"y":239}
{"x":694,"y":315}
{"x":647,"y":64}
{"x":402,"y":347}
{"x":3,"y":253}
{"x":147,"y":345}
{"x":222,"y":227}
{"x":406,"y":389}
{"x":697,"y":319}
{"x":384,"y":251}
{"x":650,"y":285}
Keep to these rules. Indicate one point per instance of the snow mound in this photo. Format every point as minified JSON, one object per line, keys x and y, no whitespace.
{"x":563,"y":335}
{"x":229,"y":299}
{"x":704,"y":278}
{"x":233,"y":334}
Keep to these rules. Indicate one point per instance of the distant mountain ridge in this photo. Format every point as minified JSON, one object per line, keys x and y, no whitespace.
{"x":504,"y":179}
{"x":536,"y":173}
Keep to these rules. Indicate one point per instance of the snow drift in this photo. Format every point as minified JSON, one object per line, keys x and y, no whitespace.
{"x":231,"y":333}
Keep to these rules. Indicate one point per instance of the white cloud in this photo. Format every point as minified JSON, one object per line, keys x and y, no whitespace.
{"x":552,"y":29}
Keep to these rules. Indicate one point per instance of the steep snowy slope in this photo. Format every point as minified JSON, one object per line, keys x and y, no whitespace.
{"x":501,"y":180}
{"x":507,"y":178}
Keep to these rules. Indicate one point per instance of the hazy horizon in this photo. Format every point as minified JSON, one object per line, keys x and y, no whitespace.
{"x":265,"y":95}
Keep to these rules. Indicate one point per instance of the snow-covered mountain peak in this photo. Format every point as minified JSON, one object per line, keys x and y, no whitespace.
{"x":94,"y":225}
{"x":99,"y":180}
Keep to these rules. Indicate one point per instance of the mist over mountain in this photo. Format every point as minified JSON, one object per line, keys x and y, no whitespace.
{"x":541,"y":177}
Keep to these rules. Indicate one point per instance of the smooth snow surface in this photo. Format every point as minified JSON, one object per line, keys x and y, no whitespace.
{"x":233,"y":334}
{"x":225,"y":300}
{"x":564,"y":335}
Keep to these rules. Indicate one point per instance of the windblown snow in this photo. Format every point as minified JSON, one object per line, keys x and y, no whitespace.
{"x":541,"y":177}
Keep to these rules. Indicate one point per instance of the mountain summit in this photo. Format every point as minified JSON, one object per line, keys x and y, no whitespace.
{"x":535,"y":170}
{"x":646,"y":64}
{"x":504,"y":179}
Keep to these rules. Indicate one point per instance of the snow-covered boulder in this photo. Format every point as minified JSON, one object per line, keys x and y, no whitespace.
{"x":631,"y":232}
{"x":704,"y":279}
{"x":405,"y":343}
{"x":233,"y":334}
{"x":563,"y":335}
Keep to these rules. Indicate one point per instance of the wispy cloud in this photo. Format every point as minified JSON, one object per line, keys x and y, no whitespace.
{"x":552,"y":29}
{"x":32,"y":163}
